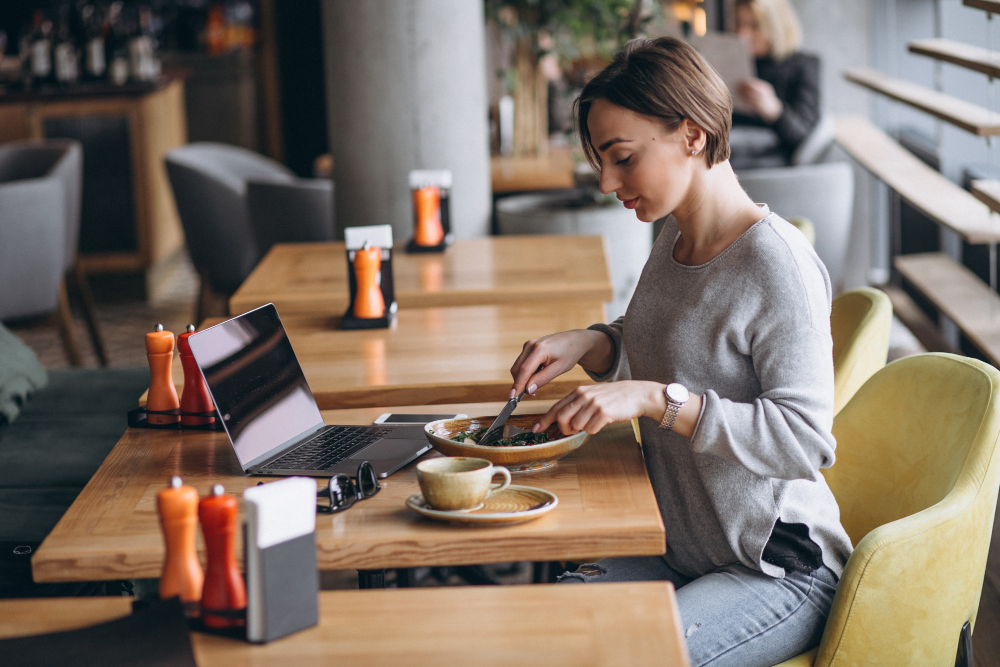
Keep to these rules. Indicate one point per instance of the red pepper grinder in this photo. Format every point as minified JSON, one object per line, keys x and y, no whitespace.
{"x":162,"y":394}
{"x":182,"y":576}
{"x":195,"y":396}
{"x":225,"y":594}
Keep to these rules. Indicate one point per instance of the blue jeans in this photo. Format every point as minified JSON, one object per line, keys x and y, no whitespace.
{"x":734,"y":615}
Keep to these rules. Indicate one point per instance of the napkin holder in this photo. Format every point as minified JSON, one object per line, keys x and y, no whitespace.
{"x":280,"y":543}
{"x":378,"y":236}
{"x":441,"y":178}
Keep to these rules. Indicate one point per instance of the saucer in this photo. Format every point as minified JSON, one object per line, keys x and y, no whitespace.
{"x":515,"y":504}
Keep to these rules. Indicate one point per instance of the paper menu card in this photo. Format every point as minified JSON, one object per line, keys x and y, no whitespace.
{"x":731,"y":58}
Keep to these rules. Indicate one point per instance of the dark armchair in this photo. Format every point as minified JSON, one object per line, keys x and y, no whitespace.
{"x":221,"y":191}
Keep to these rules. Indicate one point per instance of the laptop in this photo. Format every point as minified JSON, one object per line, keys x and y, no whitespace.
{"x":269,"y":412}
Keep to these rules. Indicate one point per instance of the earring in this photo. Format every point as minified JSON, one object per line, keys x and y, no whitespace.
{"x":694,"y":152}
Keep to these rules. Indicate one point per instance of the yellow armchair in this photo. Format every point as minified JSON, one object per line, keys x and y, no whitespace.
{"x":859,"y":321}
{"x":916,"y":476}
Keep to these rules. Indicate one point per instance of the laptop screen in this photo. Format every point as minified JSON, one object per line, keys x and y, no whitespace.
{"x":256,"y":382}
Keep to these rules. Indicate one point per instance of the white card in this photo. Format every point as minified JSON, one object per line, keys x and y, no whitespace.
{"x":283,"y":510}
{"x":379,"y":236}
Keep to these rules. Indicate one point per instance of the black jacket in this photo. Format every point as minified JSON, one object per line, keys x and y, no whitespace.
{"x":796,"y":83}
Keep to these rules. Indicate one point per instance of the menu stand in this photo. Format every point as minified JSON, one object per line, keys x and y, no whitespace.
{"x":357,"y":238}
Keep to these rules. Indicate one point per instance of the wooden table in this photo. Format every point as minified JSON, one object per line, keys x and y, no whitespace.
{"x":549,"y":171}
{"x":606,"y":508}
{"x":312,"y":277}
{"x":611,"y":624}
{"x":431,"y":355}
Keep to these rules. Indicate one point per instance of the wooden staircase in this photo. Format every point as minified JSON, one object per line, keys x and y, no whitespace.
{"x":953,"y":289}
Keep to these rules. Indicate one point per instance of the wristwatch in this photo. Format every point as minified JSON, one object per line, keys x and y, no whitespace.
{"x":677,"y":395}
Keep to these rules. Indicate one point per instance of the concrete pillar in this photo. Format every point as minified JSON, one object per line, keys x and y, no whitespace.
{"x":406,"y":89}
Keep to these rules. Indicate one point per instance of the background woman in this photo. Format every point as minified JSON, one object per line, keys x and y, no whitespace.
{"x":785,"y":95}
{"x":724,"y":355}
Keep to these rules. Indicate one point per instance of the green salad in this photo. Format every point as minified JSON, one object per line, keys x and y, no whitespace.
{"x":517,"y":440}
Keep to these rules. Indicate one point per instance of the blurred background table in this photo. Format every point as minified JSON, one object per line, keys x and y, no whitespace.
{"x":312,"y":277}
{"x":549,"y":171}
{"x":611,"y":624}
{"x":430,"y":355}
{"x":606,"y":507}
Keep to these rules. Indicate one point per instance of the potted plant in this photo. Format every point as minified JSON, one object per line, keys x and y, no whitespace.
{"x":567,"y":30}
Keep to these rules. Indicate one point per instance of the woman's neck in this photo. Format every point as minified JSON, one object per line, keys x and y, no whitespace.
{"x":715,"y":213}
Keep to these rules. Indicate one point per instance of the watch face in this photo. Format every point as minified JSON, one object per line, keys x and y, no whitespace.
{"x":677,"y":393}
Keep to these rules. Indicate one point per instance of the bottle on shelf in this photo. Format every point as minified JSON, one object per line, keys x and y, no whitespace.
{"x":40,"y":49}
{"x":224,"y":594}
{"x":142,"y":62}
{"x":195,"y":397}
{"x":117,"y":45}
{"x":215,"y":30}
{"x":177,"y":506}
{"x":64,"y":52}
{"x":95,"y":62}
{"x":162,"y":394}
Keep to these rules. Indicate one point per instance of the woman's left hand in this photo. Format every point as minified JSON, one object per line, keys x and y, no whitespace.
{"x":591,"y":408}
{"x":760,"y":95}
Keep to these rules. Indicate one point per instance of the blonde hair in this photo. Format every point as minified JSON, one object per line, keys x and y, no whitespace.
{"x":666,"y":79}
{"x":779,"y":25}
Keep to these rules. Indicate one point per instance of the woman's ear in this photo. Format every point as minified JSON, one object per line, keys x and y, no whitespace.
{"x":695,"y":137}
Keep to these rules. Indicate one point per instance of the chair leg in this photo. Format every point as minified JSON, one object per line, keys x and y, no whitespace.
{"x":64,"y":320}
{"x":90,"y":314}
{"x":210,"y":302}
{"x":371,"y":578}
{"x":964,"y":655}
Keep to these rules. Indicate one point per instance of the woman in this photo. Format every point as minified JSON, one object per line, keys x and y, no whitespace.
{"x":724,"y":355}
{"x":785,"y":96}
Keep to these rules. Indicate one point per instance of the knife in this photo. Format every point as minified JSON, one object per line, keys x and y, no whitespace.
{"x":495,"y":431}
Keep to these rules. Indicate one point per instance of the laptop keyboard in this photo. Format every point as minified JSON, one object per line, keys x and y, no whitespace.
{"x":328,"y":448}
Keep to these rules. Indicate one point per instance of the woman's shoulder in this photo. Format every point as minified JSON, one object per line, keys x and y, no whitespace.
{"x":784,"y":266}
{"x":803,"y":62}
{"x":796,"y":63}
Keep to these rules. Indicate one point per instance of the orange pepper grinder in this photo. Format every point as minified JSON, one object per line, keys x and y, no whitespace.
{"x":224,"y":593}
{"x":195,"y":396}
{"x":162,"y":393}
{"x":368,"y":301}
{"x":427,"y":206}
{"x":177,"y":506}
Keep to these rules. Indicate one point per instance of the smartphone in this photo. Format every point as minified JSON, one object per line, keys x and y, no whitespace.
{"x":398,"y":419}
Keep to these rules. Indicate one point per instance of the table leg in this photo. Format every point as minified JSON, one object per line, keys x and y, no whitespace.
{"x":405,"y":577}
{"x":476,"y":575}
{"x":546,"y":572}
{"x":371,"y":578}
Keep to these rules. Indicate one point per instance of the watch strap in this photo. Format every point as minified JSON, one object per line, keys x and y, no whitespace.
{"x":670,"y":415}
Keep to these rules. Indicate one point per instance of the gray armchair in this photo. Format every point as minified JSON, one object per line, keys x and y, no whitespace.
{"x":211,"y":183}
{"x":823,"y":193}
{"x":296,"y":212}
{"x":40,"y":195}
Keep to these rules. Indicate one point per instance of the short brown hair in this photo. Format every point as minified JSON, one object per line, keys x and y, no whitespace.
{"x":667,"y":79}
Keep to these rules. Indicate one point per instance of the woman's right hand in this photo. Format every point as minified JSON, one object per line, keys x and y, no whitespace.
{"x":558,"y":353}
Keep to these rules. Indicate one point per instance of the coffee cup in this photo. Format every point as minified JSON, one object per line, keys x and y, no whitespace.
{"x":455,"y":483}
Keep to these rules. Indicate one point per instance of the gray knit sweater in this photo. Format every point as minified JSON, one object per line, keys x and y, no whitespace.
{"x":750,"y":332}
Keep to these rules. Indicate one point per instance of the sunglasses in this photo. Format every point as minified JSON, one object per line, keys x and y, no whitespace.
{"x":343,"y":491}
